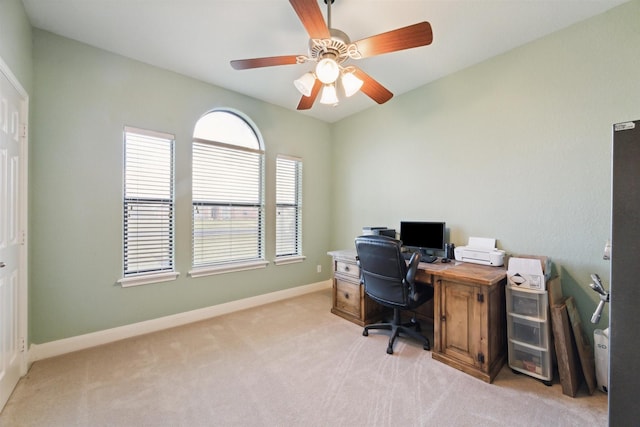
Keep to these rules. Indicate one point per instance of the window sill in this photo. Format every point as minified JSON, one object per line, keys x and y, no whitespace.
{"x":146,"y":279}
{"x":227,"y":268}
{"x":289,"y":259}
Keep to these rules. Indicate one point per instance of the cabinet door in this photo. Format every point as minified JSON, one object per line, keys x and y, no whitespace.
{"x":460,"y":322}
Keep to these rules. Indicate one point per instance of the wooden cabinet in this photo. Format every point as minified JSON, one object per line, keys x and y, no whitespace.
{"x":349,"y":298}
{"x":469,"y":322}
{"x":459,"y":322}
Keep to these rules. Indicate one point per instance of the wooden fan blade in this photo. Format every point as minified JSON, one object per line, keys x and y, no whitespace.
{"x":311,"y":16}
{"x":372,"y":88}
{"x":244,"y":64}
{"x":403,"y":38}
{"x":306,"y":102}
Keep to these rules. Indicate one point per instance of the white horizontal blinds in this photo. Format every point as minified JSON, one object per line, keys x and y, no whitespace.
{"x":288,"y":206}
{"x":228,"y":201}
{"x":148,"y":202}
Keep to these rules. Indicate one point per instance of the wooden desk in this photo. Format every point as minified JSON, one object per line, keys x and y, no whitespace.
{"x":469,"y":327}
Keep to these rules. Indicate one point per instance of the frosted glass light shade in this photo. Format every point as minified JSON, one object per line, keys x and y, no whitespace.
{"x":305,"y":83}
{"x":327,"y":71}
{"x":351,"y":84}
{"x":329,"y":95}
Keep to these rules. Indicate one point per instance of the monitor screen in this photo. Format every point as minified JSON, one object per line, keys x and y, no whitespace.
{"x":422,"y":235}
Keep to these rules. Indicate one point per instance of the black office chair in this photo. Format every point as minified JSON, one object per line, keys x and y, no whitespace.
{"x":388,"y":281}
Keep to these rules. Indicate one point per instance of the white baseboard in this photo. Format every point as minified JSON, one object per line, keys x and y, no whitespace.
{"x":81,"y":342}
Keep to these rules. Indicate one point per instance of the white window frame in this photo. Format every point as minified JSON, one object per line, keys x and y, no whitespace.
{"x":289,"y":209}
{"x":137,"y":189}
{"x":211,"y":166}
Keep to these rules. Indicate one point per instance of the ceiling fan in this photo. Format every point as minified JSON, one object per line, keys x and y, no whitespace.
{"x":331,"y":49}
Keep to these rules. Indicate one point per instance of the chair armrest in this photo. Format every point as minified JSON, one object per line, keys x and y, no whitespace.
{"x":410,"y":279}
{"x":413,"y":269}
{"x":361,"y":272}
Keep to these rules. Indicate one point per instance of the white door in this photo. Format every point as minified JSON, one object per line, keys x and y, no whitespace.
{"x":11,"y":240}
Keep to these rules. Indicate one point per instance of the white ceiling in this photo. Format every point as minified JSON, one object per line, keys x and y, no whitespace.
{"x":198,"y":38}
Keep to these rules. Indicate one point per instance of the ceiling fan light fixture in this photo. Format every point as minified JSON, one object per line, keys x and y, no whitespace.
{"x":305,"y":83}
{"x":329,"y":95}
{"x":327,"y":70}
{"x":351,"y":84}
{"x":330,"y":48}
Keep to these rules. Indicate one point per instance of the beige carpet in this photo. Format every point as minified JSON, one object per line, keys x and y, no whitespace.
{"x":290,"y":363}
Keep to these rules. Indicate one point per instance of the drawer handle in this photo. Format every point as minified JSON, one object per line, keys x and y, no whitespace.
{"x":346,"y":296}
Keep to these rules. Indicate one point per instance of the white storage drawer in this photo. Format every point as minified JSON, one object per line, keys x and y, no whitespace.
{"x":527,"y":331}
{"x":527,"y":303}
{"x":530,"y":360}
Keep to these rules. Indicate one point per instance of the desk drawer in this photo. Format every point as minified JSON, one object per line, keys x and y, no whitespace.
{"x":347,"y":269}
{"x":347,"y":297}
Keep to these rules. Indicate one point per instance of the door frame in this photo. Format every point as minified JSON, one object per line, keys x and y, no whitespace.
{"x":22,"y":218}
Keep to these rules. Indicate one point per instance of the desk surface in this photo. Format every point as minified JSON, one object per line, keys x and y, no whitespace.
{"x":454,"y":270}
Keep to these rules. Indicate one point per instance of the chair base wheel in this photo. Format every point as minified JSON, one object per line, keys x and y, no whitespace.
{"x":410,"y":329}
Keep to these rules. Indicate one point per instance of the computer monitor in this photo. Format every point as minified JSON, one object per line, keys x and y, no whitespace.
{"x":427,"y":237}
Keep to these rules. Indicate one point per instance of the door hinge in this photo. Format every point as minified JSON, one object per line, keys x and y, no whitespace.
{"x":21,"y":344}
{"x":24,"y":130}
{"x":480,"y":297}
{"x":481,"y":357}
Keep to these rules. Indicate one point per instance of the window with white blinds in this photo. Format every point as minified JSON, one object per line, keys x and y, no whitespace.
{"x":228,"y":193}
{"x":288,"y":207}
{"x":148,"y":202}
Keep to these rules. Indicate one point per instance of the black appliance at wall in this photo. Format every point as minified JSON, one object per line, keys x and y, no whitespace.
{"x":624,"y":311}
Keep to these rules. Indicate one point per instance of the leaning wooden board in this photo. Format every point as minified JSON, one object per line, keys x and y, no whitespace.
{"x":585,"y":351}
{"x":568,"y":365}
{"x":554,"y":289}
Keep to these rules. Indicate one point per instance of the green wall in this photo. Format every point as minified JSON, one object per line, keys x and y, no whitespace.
{"x":517,"y":148}
{"x":15,"y":41}
{"x":84,"y":98}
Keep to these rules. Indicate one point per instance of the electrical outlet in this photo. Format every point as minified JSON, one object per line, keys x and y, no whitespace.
{"x":319,"y":268}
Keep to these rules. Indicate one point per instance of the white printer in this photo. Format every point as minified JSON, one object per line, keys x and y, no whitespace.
{"x":480,"y":250}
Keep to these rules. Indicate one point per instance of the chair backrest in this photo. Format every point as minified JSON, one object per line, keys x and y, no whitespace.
{"x":383,"y":270}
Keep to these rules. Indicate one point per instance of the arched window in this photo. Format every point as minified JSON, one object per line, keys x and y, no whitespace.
{"x":228,"y":194}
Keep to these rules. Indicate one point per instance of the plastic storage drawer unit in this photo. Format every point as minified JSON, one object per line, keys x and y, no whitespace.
{"x":528,"y":330}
